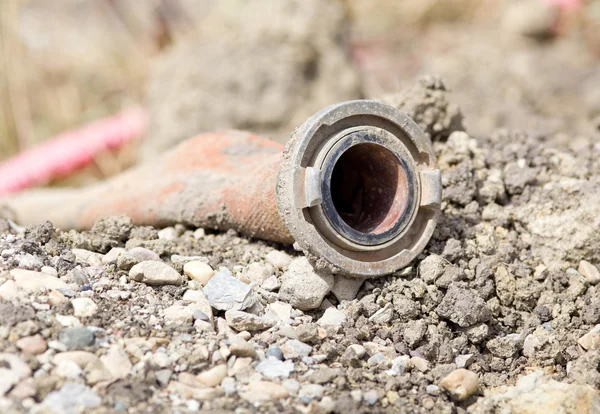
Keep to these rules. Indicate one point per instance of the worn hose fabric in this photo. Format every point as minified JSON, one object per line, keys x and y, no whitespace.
{"x":222,"y":180}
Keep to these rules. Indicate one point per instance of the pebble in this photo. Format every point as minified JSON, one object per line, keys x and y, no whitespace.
{"x":241,"y":348}
{"x":186,"y":314}
{"x":271,"y":284}
{"x":88,"y":257}
{"x":591,"y":340}
{"x":258,"y":273}
{"x":113,"y":255}
{"x":9,"y":290}
{"x":400,"y":365}
{"x":12,"y":370}
{"x":460,"y":384}
{"x":324,"y":375}
{"x":70,"y":399}
{"x":33,"y":282}
{"x":213,"y":376}
{"x":76,"y":338}
{"x":49,"y":271}
{"x":96,"y":372}
{"x":280,"y":310}
{"x":371,"y":397}
{"x":33,"y":345}
{"x":264,"y":391}
{"x":117,"y":362}
{"x":67,"y":369}
{"x":274,"y":368}
{"x":274,"y":351}
{"x":310,"y":392}
{"x":463,"y":361}
{"x":303,"y":287}
{"x":155,"y":274}
{"x":243,"y":321}
{"x":278,"y":259}
{"x":356,"y":395}
{"x":383,"y":315}
{"x":591,"y":272}
{"x":84,"y":307}
{"x":56,"y":298}
{"x":294,"y":349}
{"x":168,"y":233}
{"x":332,"y":318}
{"x":506,"y":346}
{"x":420,"y":363}
{"x":67,"y":320}
{"x":225,"y":292}
{"x":346,"y":288}
{"x":229,"y":386}
{"x":130,"y":258}
{"x":81,"y":358}
{"x":358,"y":349}
{"x":200,"y":271}
{"x":463,"y":307}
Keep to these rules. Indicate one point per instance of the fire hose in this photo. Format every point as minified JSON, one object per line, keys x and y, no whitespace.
{"x":357,"y":189}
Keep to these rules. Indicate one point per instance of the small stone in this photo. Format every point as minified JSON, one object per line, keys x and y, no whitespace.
{"x":113,"y":255}
{"x":274,"y":351}
{"x":506,"y":346}
{"x":179,"y":314}
{"x":371,"y":397}
{"x":274,"y":368}
{"x":33,"y":345}
{"x":294,"y":349}
{"x":197,"y":270}
{"x":186,"y":391}
{"x":401,"y":365}
{"x":163,"y":376}
{"x":310,"y":392}
{"x":96,"y":372}
{"x":280,"y":310}
{"x":278,"y":259}
{"x":56,"y":298}
{"x":49,"y":271}
{"x":463,"y":361}
{"x":591,"y":340}
{"x":117,"y":362}
{"x":359,"y":350}
{"x":271,"y":284}
{"x":383,"y":315}
{"x":303,"y":287}
{"x":356,"y":395}
{"x":346,"y":288}
{"x":225,"y":292}
{"x":12,"y":370}
{"x":81,"y":358}
{"x":591,"y":272}
{"x":431,"y":268}
{"x":88,"y":257}
{"x":308,"y":332}
{"x":9,"y":290}
{"x":242,"y":348}
{"x":460,"y":384}
{"x":33,"y":282}
{"x":378,"y":359}
{"x":72,"y":397}
{"x":420,"y":363}
{"x":84,"y":307}
{"x":432,"y":389}
{"x":324,"y":375}
{"x":67,"y":321}
{"x":67,"y":369}
{"x":229,"y":386}
{"x":130,"y":258}
{"x":213,"y":376}
{"x":258,"y":273}
{"x":76,"y":338}
{"x":463,"y":307}
{"x":168,"y":233}
{"x":264,"y":391}
{"x":243,"y":321}
{"x":332,"y":318}
{"x":155,"y":274}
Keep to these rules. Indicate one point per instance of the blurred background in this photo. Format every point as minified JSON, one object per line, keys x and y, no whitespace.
{"x":266,"y":65}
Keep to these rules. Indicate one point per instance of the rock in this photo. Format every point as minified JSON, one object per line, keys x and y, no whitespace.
{"x":84,"y":307}
{"x":591,"y":340}
{"x":591,"y":272}
{"x":303,"y":287}
{"x":168,"y":233}
{"x":130,"y":258}
{"x":282,"y":311}
{"x":186,"y":391}
{"x":400,"y":365}
{"x":258,"y":273}
{"x":460,"y":384}
{"x":33,"y":282}
{"x":72,"y":398}
{"x":537,"y":393}
{"x":371,"y":397}
{"x":229,"y":386}
{"x":358,"y":349}
{"x":506,"y":346}
{"x":242,"y":348}
{"x":117,"y":362}
{"x":155,"y":274}
{"x":76,"y":338}
{"x":332,"y":318}
{"x":294,"y":349}
{"x":68,"y":321}
{"x":96,"y":372}
{"x":12,"y":370}
{"x":9,"y":290}
{"x":420,"y":363}
{"x":81,"y":358}
{"x":308,"y":332}
{"x":531,"y":18}
{"x":243,"y":321}
{"x":56,"y":298}
{"x":33,"y":345}
{"x":180,"y":314}
{"x":225,"y":292}
{"x":113,"y":255}
{"x":346,"y":288}
{"x":197,"y":270}
{"x":271,"y":284}
{"x":324,"y":375}
{"x":463,"y":307}
{"x":88,"y":257}
{"x":213,"y":376}
{"x":67,"y":369}
{"x":463,"y":361}
{"x":274,"y":351}
{"x":264,"y":391}
{"x":163,"y":376}
{"x":278,"y":259}
{"x":431,"y":268}
{"x":383,"y":315}
{"x":310,"y":392}
{"x":274,"y":368}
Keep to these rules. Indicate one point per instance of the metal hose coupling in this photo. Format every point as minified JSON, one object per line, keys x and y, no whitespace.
{"x":359,"y":189}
